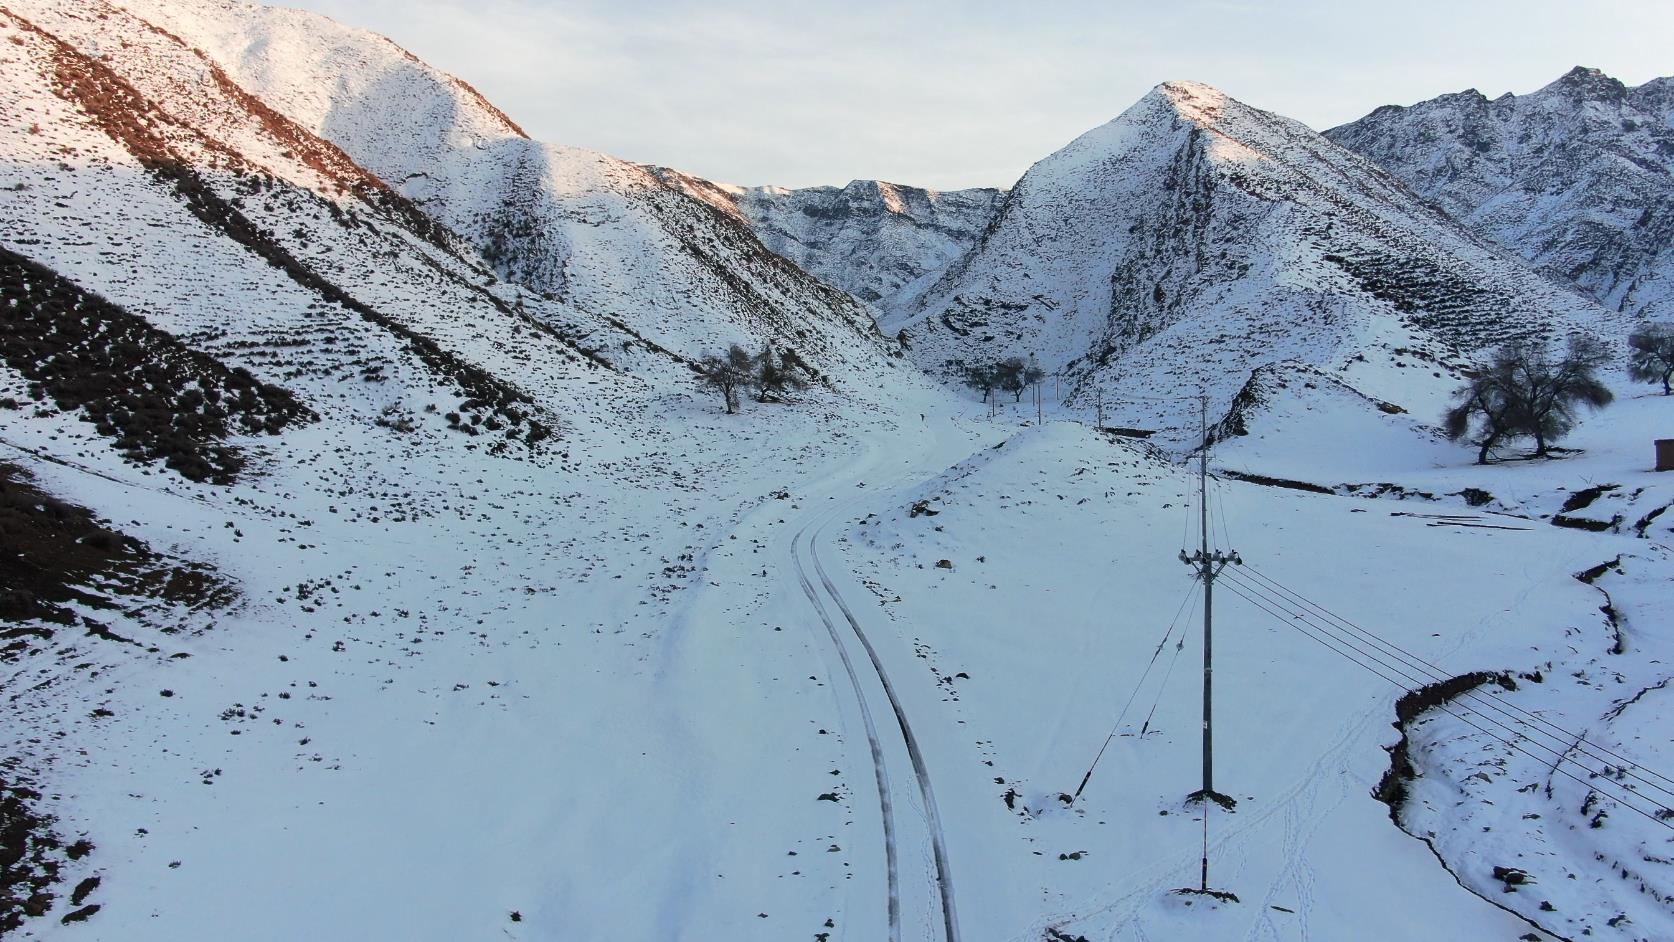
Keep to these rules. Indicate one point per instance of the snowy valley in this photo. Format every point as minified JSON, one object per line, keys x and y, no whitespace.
{"x":381,"y":562}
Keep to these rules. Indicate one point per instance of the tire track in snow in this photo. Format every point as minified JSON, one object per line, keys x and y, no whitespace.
{"x":805,"y":541}
{"x":944,"y":877}
{"x":878,"y":766}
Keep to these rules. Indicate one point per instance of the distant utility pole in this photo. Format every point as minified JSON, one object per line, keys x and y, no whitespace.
{"x":1033,"y":370}
{"x":1208,"y":565}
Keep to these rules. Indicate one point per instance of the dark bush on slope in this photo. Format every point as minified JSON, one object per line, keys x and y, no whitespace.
{"x":157,"y":398}
{"x":57,"y":555}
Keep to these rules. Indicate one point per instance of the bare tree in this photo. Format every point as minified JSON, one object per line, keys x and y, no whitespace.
{"x":1552,"y":392}
{"x":1651,"y":356}
{"x":981,"y":377}
{"x":777,"y":373}
{"x":1524,"y":392}
{"x":1482,"y":403}
{"x":1012,"y":373}
{"x":727,"y":373}
{"x":1032,"y":374}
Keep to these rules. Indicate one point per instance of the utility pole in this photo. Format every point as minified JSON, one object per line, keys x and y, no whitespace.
{"x":1036,"y":384}
{"x":1208,"y":565}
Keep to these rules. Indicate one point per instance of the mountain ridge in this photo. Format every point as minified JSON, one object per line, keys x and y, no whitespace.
{"x":1577,"y":177}
{"x":880,"y":241}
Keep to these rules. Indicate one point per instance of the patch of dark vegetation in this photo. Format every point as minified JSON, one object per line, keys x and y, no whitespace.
{"x":58,"y":556}
{"x":1119,"y":432}
{"x":1584,"y":523}
{"x":84,"y":889}
{"x":1223,"y":896}
{"x":1384,"y":489}
{"x":1582,"y":499}
{"x":1511,"y":877}
{"x":1266,"y":481}
{"x":1476,"y":497}
{"x":1591,"y":574}
{"x":157,"y":398}
{"x":32,"y":858}
{"x":1644,"y":523}
{"x":1392,"y":787}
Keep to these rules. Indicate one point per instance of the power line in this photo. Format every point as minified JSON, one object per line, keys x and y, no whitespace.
{"x":1322,"y":635}
{"x":1506,"y":708}
{"x":1220,"y":500}
{"x":1178,"y":647}
{"x":1411,"y":677}
{"x":1136,"y":688}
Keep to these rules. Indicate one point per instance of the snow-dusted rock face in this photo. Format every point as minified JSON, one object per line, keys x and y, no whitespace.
{"x":1195,"y":237}
{"x":881,"y":242}
{"x":1577,"y":177}
{"x":601,"y":234}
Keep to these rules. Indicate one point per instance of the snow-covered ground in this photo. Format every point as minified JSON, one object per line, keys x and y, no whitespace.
{"x":543,"y":693}
{"x":817,"y":670}
{"x":1064,"y":577}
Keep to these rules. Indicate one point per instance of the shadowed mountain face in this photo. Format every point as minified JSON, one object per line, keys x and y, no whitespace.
{"x":1194,"y":238}
{"x":1577,"y":178}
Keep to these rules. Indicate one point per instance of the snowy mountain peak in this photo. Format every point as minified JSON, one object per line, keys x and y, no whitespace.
{"x":1196,"y":101}
{"x":599,"y":234}
{"x":1194,"y":238}
{"x":1587,"y":82}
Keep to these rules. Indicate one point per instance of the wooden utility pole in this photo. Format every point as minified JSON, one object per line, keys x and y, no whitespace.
{"x":1208,"y":565}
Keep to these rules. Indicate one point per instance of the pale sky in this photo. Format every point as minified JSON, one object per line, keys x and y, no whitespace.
{"x":946,"y":94}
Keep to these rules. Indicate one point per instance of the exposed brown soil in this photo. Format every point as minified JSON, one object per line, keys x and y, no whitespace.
{"x":159,"y":399}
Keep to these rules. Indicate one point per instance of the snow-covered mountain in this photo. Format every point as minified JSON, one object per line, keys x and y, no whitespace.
{"x":882,"y":242}
{"x":1577,"y":177}
{"x":1195,"y":237}
{"x":597,"y":233}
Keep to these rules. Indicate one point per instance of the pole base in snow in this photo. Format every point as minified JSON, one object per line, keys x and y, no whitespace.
{"x":1225,"y":801}
{"x":1222,"y":895}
